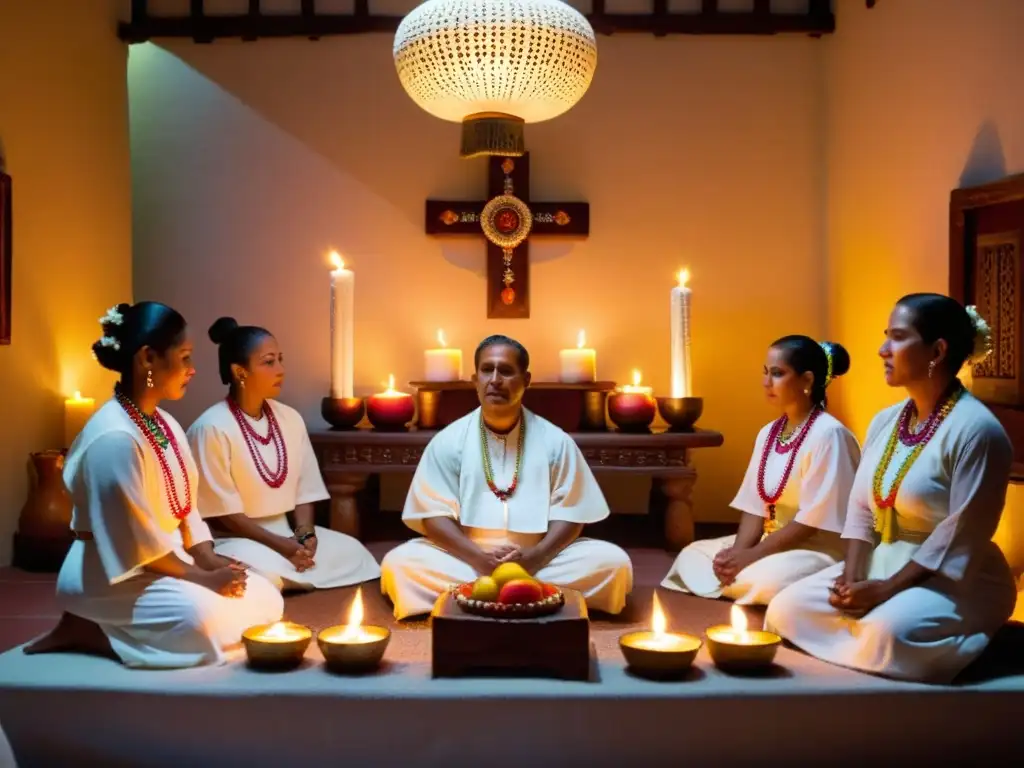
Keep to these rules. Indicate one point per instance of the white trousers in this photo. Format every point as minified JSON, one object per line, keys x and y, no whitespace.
{"x":160,"y":622}
{"x":340,"y":559}
{"x":756,"y":584}
{"x":414,"y":574}
{"x":928,"y":633}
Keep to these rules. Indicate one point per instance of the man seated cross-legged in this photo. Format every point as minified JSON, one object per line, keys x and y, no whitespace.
{"x":503,"y":485}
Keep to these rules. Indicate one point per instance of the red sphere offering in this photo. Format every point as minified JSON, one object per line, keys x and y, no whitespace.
{"x":632,"y":408}
{"x":390,"y":410}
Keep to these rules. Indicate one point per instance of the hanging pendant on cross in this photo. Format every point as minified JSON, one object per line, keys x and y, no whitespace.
{"x":508,"y":217}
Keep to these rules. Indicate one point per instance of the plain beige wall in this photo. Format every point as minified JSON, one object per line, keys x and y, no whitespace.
{"x":64,"y":137}
{"x":924,"y":96}
{"x":251,"y":161}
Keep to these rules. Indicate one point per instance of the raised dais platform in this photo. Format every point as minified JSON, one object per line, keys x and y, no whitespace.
{"x":73,"y":710}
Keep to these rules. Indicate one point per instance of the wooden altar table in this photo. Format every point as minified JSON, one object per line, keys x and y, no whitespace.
{"x":348,"y":457}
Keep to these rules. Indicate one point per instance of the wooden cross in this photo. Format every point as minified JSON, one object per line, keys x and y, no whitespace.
{"x":508,"y":270}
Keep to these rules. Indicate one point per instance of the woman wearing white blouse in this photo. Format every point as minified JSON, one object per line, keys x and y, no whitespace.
{"x":142,"y":580}
{"x":256,"y":464}
{"x":794,"y":494}
{"x":924,"y":602}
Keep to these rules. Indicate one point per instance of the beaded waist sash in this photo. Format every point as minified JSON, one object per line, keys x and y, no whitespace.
{"x":889,"y":530}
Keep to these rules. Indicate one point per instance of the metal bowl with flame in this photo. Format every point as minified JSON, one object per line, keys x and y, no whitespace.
{"x":352,"y":647}
{"x":280,"y":645}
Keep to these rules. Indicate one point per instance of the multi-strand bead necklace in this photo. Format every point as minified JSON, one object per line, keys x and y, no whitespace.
{"x":790,"y":446}
{"x":901,"y":433}
{"x":503,"y":494}
{"x":274,"y":479}
{"x":159,"y":436}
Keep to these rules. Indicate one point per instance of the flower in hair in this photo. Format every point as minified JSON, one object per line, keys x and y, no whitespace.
{"x":113,"y":317}
{"x":110,"y":341}
{"x":828,"y":356}
{"x":982,"y":337}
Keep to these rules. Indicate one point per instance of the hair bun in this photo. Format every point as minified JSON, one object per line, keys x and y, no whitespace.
{"x":839,"y":358}
{"x":221,"y":329}
{"x":982,"y":341}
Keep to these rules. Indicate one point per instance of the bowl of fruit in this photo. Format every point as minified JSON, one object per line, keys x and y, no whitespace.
{"x":509,"y":593}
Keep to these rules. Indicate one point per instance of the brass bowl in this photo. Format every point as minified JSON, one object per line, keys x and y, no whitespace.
{"x":681,"y":413}
{"x":651,"y":662}
{"x":342,"y":412}
{"x":353,"y":656}
{"x":275,"y":654}
{"x":731,"y":656}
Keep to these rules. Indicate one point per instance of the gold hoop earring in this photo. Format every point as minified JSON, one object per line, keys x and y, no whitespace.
{"x":149,"y":379}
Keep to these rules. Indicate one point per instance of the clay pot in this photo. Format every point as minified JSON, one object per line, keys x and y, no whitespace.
{"x":44,"y":527}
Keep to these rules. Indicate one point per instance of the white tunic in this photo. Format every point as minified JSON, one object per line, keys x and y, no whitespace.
{"x":816,"y":495}
{"x":231,"y":485}
{"x":947,"y":511}
{"x":555,"y":483}
{"x":117,"y":486}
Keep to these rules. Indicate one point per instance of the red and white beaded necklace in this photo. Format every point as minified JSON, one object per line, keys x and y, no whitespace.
{"x":792,"y":448}
{"x":274,"y":435}
{"x":159,"y":435}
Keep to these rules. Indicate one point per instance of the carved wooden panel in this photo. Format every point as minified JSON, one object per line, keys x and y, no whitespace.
{"x":985,"y":268}
{"x":997,"y":278}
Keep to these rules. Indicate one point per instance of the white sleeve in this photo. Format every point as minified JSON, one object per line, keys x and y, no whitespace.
{"x":575,"y":495}
{"x":125,"y":532}
{"x":218,"y":495}
{"x":435,"y":485}
{"x":747,"y":498}
{"x":311,"y":487}
{"x":981,"y":474}
{"x":825,"y":485}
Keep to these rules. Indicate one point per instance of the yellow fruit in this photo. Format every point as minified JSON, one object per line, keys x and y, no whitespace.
{"x":485,"y":589}
{"x":507,"y":572}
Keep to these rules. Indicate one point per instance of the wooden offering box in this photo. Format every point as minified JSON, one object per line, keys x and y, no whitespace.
{"x":548,"y":646}
{"x":571,"y":407}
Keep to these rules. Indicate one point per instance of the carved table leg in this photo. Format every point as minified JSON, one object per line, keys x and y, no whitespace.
{"x":679,"y":512}
{"x":344,"y":510}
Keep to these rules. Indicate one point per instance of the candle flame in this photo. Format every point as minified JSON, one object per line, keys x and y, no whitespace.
{"x":78,"y":395}
{"x":355,"y":618}
{"x":336,"y":261}
{"x":440,"y":338}
{"x":683,"y":277}
{"x":277,"y":631}
{"x":738,"y":619}
{"x":391,"y":382}
{"x":581,"y":339}
{"x":636,"y":377}
{"x":658,"y":623}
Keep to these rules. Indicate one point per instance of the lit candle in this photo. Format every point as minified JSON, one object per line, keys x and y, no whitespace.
{"x":580,"y":364}
{"x":77,"y":411}
{"x":682,"y":374}
{"x":632,"y":407}
{"x":353,"y":646}
{"x":390,"y":409}
{"x":659,"y":651}
{"x":279,"y":645}
{"x":343,"y":282}
{"x":443,"y":364}
{"x":736,"y":646}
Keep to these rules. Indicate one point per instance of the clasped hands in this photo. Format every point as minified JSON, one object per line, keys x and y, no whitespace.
{"x":223,"y":575}
{"x":299,"y":555}
{"x":729,"y":562}
{"x":858,"y":598}
{"x":507,"y":553}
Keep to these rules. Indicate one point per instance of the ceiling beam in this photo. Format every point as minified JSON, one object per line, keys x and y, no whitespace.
{"x":253,"y":24}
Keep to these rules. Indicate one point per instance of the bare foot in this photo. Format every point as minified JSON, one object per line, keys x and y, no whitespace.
{"x":73,"y":633}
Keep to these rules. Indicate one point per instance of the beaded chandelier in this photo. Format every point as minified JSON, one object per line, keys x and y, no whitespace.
{"x":495,"y":65}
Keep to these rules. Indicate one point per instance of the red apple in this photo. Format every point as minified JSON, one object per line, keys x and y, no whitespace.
{"x":549,"y":590}
{"x":466,"y":590}
{"x":520,"y":591}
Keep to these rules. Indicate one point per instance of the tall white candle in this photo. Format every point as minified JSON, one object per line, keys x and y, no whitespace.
{"x":682,"y":370}
{"x":442,"y":364}
{"x":578,"y":365}
{"x":77,"y":411}
{"x":343,"y":283}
